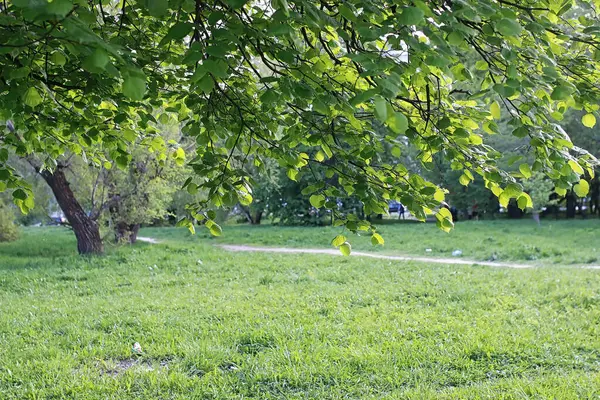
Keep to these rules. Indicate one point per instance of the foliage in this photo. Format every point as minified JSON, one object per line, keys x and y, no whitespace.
{"x":539,"y":189}
{"x":301,"y":82}
{"x":227,"y":328}
{"x":9,"y":231}
{"x":141,"y":193}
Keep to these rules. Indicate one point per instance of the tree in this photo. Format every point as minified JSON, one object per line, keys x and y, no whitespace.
{"x":9,"y":231}
{"x":142,"y":193}
{"x":538,"y":189}
{"x":301,"y":81}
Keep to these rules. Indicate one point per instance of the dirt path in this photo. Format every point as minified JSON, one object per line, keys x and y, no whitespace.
{"x":232,"y":247}
{"x":148,"y":240}
{"x":334,"y":252}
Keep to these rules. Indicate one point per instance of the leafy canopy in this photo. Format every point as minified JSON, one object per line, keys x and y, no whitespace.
{"x":305,"y":83}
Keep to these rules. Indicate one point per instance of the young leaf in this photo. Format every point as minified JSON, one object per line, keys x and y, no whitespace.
{"x":582,"y":188}
{"x":377,"y":239}
{"x":215,"y":230}
{"x":525,"y":170}
{"x":495,"y":110}
{"x":524,"y":201}
{"x":575,"y":167}
{"x":317,"y":200}
{"x":32,"y":97}
{"x":338,"y":240}
{"x":588,"y":120}
{"x":346,"y":248}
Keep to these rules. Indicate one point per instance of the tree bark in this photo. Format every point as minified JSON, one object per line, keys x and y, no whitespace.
{"x":252,"y":219}
{"x":85,"y":228}
{"x":571,"y":205}
{"x":126,"y":233}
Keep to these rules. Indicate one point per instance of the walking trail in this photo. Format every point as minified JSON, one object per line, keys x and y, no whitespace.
{"x":334,"y":252}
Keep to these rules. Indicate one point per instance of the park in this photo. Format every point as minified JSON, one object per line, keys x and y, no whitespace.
{"x":299,"y":199}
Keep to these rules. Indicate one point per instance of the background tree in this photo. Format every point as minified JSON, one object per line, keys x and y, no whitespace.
{"x":141,"y":193}
{"x":539,"y":189}
{"x":9,"y":231}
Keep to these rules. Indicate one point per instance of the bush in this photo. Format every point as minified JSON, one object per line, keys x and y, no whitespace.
{"x":9,"y":231}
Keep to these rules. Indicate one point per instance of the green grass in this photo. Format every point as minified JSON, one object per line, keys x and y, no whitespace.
{"x":218,"y":325}
{"x":554,"y":242}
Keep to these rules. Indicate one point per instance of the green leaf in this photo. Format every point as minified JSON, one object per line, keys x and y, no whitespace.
{"x":32,"y":97}
{"x":582,"y":188}
{"x":575,"y":167}
{"x":525,"y":170}
{"x":134,"y":84}
{"x":57,"y":58}
{"x":97,"y":61}
{"x":503,"y":199}
{"x":439,"y":195}
{"x":377,"y":239}
{"x":445,"y":213}
{"x":129,"y":135}
{"x":588,"y":120}
{"x":245,"y":198}
{"x":20,"y":73}
{"x":292,"y":174}
{"x":206,"y":84}
{"x":215,"y":229}
{"x":508,"y":27}
{"x":561,"y":93}
{"x":338,"y":240}
{"x":158,"y":8}
{"x":455,"y":38}
{"x":513,"y":190}
{"x":346,"y":248}
{"x":524,"y":201}
{"x":411,"y":16}
{"x":317,"y":200}
{"x":177,"y":32}
{"x":192,"y":188}
{"x":560,"y":191}
{"x":236,"y":3}
{"x":398,"y":123}
{"x":495,"y":110}
{"x":60,"y":8}
{"x":19,"y":194}
{"x":380,"y":108}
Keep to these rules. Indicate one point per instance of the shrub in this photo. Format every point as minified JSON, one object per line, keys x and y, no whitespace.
{"x":9,"y":231}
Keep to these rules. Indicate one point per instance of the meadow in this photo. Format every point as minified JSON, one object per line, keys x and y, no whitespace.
{"x":220,"y":325}
{"x":562,"y":242}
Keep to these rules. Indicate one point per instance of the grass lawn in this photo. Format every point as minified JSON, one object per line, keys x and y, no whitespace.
{"x":554,"y":242}
{"x":218,"y":325}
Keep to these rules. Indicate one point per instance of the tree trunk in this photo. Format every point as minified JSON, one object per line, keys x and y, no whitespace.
{"x":571,"y":205}
{"x":85,"y":228}
{"x":257,"y":218}
{"x":126,"y":233}
{"x":252,"y":219}
{"x":536,"y":217}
